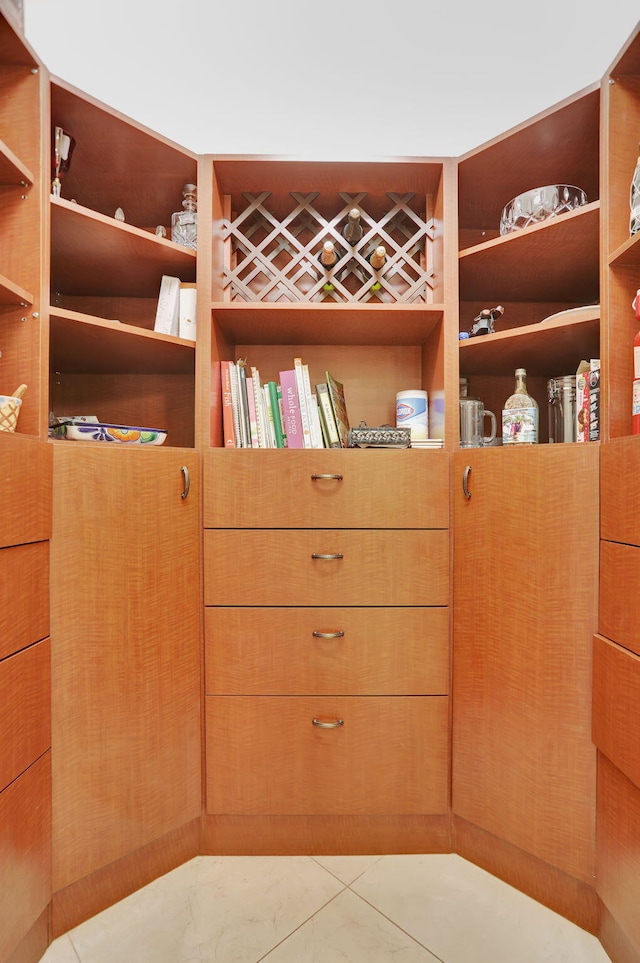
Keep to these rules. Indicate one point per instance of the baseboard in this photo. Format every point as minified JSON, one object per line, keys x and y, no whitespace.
{"x":614,"y":940}
{"x":33,"y":944}
{"x":570,"y":897}
{"x":101,"y":889}
{"x":325,"y":835}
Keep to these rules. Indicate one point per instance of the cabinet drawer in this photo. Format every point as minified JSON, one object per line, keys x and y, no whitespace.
{"x":616,"y":697}
{"x":274,"y":651}
{"x":24,"y":596}
{"x":25,"y":483}
{"x":374,"y":489}
{"x":25,"y":716}
{"x":620,"y":490}
{"x":620,"y":594}
{"x":265,"y":755}
{"x":277,"y":567}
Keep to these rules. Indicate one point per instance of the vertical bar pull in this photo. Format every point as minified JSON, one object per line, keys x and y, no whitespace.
{"x":186,"y":485}
{"x":465,"y":481}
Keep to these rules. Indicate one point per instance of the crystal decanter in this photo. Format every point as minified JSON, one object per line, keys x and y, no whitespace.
{"x":184,"y":223}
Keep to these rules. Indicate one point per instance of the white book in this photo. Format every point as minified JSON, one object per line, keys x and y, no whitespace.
{"x":302,"y":402}
{"x":187,"y":311}
{"x":315,"y":427}
{"x":263,"y":438}
{"x":168,"y":309}
{"x":233,"y":373}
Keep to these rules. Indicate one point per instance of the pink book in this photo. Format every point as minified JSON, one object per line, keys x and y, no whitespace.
{"x":291,"y":409}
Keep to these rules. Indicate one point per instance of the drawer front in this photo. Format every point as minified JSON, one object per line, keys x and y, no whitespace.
{"x":333,"y":651}
{"x":620,"y":594}
{"x":25,"y":715}
{"x":620,"y":490}
{"x":24,"y":596}
{"x":265,"y":755}
{"x":365,"y":489}
{"x":616,"y":697}
{"x":278,"y":567}
{"x":25,"y":480}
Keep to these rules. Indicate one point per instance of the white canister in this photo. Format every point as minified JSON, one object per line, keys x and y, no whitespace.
{"x":412,"y":411}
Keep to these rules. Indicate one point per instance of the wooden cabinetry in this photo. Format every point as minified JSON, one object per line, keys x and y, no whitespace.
{"x":25,"y":694}
{"x":327,"y":677}
{"x":525,"y":607}
{"x":125,"y":671}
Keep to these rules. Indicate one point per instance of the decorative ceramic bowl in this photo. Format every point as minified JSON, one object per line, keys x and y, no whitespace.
{"x":539,"y":204}
{"x":104,"y":432}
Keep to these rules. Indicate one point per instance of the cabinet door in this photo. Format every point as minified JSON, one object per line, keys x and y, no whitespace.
{"x":525,"y":610}
{"x":125,"y":656}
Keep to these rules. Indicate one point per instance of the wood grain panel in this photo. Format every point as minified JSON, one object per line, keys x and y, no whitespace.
{"x":618,"y":849}
{"x":620,"y":490}
{"x":620,"y":594}
{"x":572,"y":898}
{"x":25,"y":853}
{"x":616,"y":697}
{"x":377,"y":489}
{"x":397,"y":651}
{"x":275,"y":567}
{"x":126,"y":653}
{"x":265,"y":756}
{"x":325,"y":835}
{"x":525,"y":610}
{"x":25,"y":709}
{"x":24,"y":596}
{"x":614,"y":940}
{"x":33,"y":945}
{"x":25,"y":480}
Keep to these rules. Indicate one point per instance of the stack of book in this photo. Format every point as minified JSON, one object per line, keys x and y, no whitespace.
{"x":288,"y":413}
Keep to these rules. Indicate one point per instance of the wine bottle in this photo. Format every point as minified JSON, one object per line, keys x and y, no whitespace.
{"x":328,"y":255}
{"x":377,"y":257}
{"x":520,"y":414}
{"x":352,"y":231}
{"x":634,"y":200}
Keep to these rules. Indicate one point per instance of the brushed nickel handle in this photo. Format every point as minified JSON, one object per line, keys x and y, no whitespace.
{"x":186,"y":481}
{"x":339,"y":634}
{"x":324,"y":555}
{"x":335,"y":477}
{"x":328,"y":725}
{"x":465,"y":481}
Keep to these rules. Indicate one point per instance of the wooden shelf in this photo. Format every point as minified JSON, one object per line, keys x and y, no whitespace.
{"x":329,"y":324}
{"x":559,"y":345}
{"x":553,"y":261}
{"x":12,"y":294}
{"x":87,"y":345}
{"x":95,"y":254}
{"x":627,"y":254}
{"x":12,"y":170}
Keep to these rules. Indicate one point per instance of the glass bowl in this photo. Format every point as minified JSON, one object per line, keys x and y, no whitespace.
{"x":538,"y":204}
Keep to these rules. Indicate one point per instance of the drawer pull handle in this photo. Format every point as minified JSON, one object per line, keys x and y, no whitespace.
{"x":186,"y":484}
{"x":328,"y":725}
{"x":331,"y":555}
{"x":339,"y":634}
{"x":465,"y":481}
{"x":318,"y":477}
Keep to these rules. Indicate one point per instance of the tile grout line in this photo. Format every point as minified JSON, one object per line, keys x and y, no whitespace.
{"x":397,"y":925}
{"x":275,"y":946}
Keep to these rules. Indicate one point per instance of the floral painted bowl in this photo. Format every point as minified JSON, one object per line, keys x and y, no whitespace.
{"x":104,"y":432}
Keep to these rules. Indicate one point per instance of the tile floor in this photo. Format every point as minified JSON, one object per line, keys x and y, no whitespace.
{"x":330,"y":909}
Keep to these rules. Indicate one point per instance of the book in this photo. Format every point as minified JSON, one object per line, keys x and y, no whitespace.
{"x":243,"y":405}
{"x":253,"y":418}
{"x":315,"y":430}
{"x":228,"y":432}
{"x":281,"y":410}
{"x":263,"y":438}
{"x":233,"y":371}
{"x":168,"y":307}
{"x":327,"y":417}
{"x":271,"y":431}
{"x":339,"y":406}
{"x":291,"y":409}
{"x":302,"y":403}
{"x":275,"y":412}
{"x":187,"y":311}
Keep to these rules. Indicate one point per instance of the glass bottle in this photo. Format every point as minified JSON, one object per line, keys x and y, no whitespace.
{"x":520,"y":414}
{"x":634,"y":200}
{"x":352,"y":231}
{"x":184,"y":223}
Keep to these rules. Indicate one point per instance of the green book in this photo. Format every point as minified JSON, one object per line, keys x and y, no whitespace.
{"x":275,"y":409}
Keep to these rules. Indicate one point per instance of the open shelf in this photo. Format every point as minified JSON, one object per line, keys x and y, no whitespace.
{"x":627,"y":254}
{"x":335,"y":324}
{"x":88,"y":345}
{"x":12,"y":294}
{"x":12,"y":170}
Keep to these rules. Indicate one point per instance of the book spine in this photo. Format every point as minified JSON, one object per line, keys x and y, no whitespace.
{"x":263,"y":441}
{"x":275,"y":413}
{"x":324,"y":404}
{"x":312,"y":407}
{"x":253,"y":422}
{"x":285,"y":443}
{"x":291,"y":407}
{"x":302,"y":403}
{"x":234,"y":403}
{"x":228,"y":432}
{"x":187,"y":311}
{"x":168,"y":307}
{"x":243,"y":407}
{"x":269,"y":416}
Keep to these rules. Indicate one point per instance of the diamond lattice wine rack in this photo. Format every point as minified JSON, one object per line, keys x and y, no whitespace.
{"x":273,"y":247}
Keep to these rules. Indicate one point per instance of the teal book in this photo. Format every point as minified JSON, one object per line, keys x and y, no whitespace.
{"x":275,"y":409}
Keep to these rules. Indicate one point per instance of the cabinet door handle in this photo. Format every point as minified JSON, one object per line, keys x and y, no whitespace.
{"x":328,"y":725}
{"x":335,"y":477}
{"x":465,"y":481}
{"x":338,"y":634}
{"x":186,"y":485}
{"x":330,"y":556}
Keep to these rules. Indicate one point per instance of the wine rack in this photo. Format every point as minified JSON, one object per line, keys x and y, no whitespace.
{"x":272,"y":248}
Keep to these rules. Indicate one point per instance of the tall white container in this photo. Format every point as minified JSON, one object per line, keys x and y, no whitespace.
{"x":412,"y":411}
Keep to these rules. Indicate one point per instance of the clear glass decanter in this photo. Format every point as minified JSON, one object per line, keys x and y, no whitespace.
{"x":184,"y":223}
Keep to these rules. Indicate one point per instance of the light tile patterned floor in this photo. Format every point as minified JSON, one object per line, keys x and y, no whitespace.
{"x":329,"y":909}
